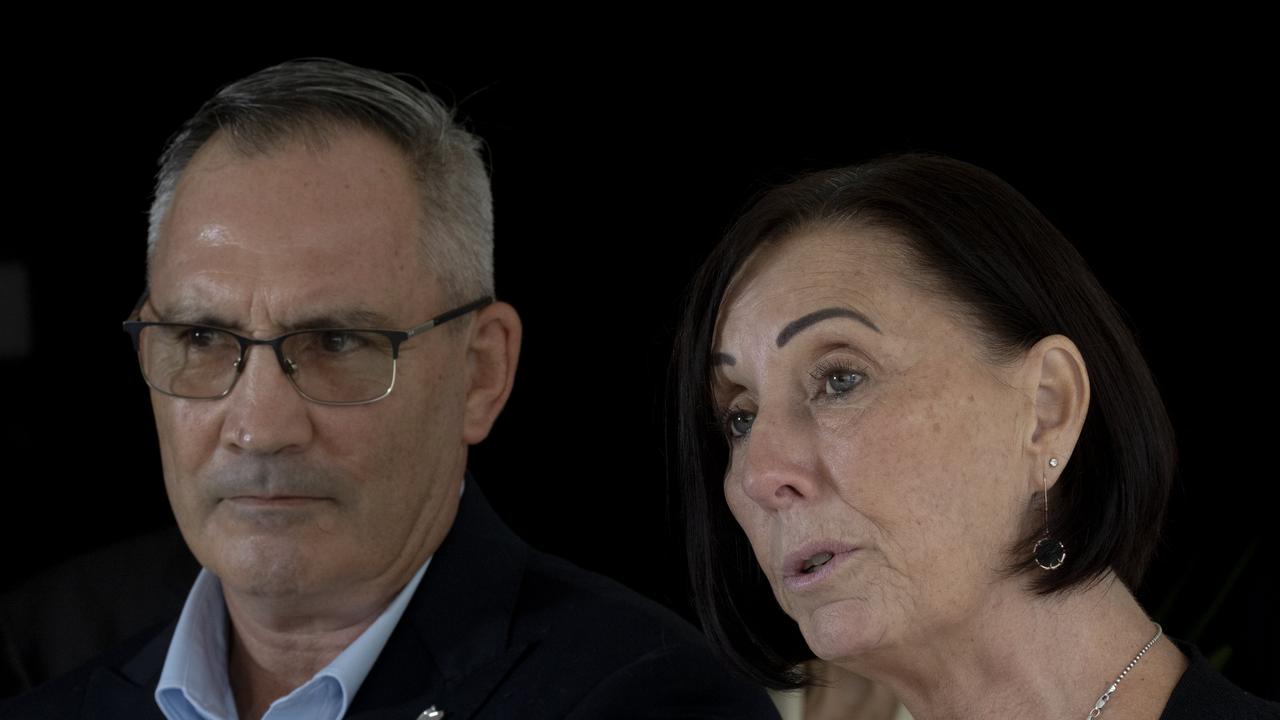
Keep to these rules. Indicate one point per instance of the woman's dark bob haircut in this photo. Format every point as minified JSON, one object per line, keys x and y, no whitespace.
{"x":1016,"y":279}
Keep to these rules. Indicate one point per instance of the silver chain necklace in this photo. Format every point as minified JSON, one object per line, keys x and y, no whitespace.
{"x":1097,"y":707}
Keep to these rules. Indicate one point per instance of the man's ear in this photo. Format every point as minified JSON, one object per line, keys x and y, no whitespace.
{"x":1058,"y":377}
{"x":492,"y":352}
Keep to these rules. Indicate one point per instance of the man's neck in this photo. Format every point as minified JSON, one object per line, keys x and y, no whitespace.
{"x":265,"y":663}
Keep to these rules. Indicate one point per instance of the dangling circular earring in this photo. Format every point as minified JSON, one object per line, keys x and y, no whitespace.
{"x":1049,"y":552}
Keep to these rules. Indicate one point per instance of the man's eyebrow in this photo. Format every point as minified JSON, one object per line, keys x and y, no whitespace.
{"x":817,"y":316}
{"x":357,"y":317}
{"x":191,"y":314}
{"x":352,"y":318}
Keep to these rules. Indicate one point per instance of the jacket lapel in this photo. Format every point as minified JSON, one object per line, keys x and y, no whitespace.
{"x":452,"y":647}
{"x":128,"y":690}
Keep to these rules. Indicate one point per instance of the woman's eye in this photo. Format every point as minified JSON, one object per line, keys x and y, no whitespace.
{"x":738,"y":423}
{"x":842,"y":381}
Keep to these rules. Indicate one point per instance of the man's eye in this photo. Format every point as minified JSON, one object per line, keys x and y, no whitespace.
{"x":337,"y":341}
{"x":202,"y":337}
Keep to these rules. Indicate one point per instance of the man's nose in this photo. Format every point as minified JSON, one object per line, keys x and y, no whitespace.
{"x":779,"y":465}
{"x":265,"y":414}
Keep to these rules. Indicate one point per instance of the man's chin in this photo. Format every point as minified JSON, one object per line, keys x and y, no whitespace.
{"x":279,"y":576}
{"x":261,"y":564}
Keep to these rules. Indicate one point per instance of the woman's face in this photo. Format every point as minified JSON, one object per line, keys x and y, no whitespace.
{"x":868,"y":432}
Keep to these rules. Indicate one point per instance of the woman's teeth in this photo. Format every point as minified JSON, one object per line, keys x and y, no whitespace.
{"x":816,"y":561}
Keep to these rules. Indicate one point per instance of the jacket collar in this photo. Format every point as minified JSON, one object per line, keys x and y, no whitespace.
{"x":454,"y":642}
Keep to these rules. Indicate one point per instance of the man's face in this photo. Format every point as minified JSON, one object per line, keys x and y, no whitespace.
{"x":277,"y":495}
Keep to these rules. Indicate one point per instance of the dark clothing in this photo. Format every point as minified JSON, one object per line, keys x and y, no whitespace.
{"x":1204,"y":694}
{"x":495,"y":630}
{"x":68,"y":615}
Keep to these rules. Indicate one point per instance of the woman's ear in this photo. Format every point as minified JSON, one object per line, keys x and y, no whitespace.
{"x":492,"y":352}
{"x":1057,"y":375}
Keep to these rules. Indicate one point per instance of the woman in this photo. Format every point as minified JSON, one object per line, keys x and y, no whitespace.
{"x":906,"y":407}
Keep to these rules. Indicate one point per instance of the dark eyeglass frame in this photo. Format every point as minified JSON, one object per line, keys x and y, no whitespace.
{"x":395,"y":337}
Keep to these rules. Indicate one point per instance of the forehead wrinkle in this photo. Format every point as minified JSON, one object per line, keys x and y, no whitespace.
{"x":357,"y":317}
{"x":742,"y":300}
{"x":193,"y":309}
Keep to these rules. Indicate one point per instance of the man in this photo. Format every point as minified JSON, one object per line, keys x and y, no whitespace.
{"x":322,"y":344}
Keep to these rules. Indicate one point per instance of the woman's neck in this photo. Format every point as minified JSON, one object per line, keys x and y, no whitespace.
{"x":1026,"y":656}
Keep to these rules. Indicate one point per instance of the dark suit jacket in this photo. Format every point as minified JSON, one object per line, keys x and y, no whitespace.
{"x":495,"y":630}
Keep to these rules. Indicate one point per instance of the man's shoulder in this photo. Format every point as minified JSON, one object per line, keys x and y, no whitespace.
{"x":70,"y":632}
{"x":542,"y":598}
{"x":101,"y":687}
{"x":559,"y":596}
{"x":56,"y":621}
{"x":510,"y":628}
{"x":598,"y":648}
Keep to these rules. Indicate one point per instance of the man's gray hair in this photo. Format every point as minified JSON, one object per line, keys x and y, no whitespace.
{"x":307,"y":99}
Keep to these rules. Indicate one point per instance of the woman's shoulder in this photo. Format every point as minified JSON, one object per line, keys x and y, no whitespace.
{"x":1204,"y":694}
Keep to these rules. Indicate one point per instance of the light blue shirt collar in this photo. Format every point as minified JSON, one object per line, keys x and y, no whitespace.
{"x":194,"y":685}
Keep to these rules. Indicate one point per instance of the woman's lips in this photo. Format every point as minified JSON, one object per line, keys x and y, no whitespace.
{"x":797,"y":578}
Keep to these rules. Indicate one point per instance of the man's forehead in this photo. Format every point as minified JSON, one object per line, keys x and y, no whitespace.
{"x":357,"y":181}
{"x":292,"y":230}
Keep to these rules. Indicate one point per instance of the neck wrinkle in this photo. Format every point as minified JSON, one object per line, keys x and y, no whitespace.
{"x":1026,"y":656}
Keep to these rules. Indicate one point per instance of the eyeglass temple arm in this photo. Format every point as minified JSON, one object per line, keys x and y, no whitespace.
{"x":137,"y":307}
{"x":433,"y":322}
{"x":450,"y":315}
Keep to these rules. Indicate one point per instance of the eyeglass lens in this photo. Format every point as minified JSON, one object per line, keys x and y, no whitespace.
{"x":339,"y":366}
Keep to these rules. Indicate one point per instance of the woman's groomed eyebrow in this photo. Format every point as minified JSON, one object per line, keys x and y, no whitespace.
{"x":817,"y":316}
{"x":795,"y":326}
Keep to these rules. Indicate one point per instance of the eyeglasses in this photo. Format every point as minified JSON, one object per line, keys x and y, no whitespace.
{"x":331,"y":366}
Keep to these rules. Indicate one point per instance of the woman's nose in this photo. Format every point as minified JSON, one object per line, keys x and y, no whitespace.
{"x":778,"y":466}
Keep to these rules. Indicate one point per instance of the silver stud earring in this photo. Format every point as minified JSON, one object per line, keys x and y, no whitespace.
{"x":1049,"y":552}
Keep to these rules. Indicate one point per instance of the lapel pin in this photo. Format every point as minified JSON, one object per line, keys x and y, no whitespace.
{"x":431,"y":713}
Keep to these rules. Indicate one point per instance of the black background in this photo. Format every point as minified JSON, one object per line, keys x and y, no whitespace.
{"x":612,"y":179}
